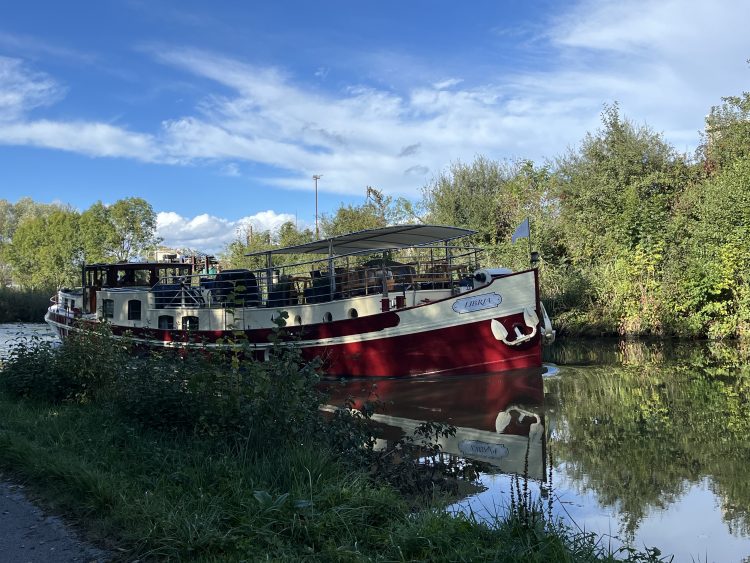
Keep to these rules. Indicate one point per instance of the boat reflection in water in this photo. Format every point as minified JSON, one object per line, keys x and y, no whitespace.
{"x":499,"y":418}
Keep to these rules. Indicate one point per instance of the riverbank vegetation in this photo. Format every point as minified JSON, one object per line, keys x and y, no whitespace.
{"x":635,"y":238}
{"x":23,"y":305}
{"x":198,"y":458}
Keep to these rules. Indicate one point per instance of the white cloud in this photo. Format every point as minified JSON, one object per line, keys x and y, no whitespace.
{"x":655,"y":29}
{"x":231,"y":169}
{"x":364,"y":136}
{"x":357,"y":137}
{"x":89,"y":138}
{"x":666,"y":63}
{"x":212,"y":234}
{"x":445,"y":84}
{"x":267,"y":220}
{"x":22,"y":90}
{"x":35,"y":46}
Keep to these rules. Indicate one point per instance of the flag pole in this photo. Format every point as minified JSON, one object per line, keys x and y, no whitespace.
{"x":531,"y":262}
{"x":524,"y":230}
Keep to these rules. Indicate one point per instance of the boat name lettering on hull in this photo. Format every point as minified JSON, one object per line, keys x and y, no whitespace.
{"x":477,"y":302}
{"x":482,"y":449}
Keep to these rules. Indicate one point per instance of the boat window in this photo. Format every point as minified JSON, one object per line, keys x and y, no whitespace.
{"x":328,"y":317}
{"x":353,"y":314}
{"x":298,"y":320}
{"x":134,"y":310}
{"x":108,"y":308}
{"x":142,"y":277}
{"x":166,"y":322}
{"x":190,"y":323}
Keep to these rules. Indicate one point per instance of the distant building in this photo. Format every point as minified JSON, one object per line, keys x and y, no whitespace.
{"x":164,"y":254}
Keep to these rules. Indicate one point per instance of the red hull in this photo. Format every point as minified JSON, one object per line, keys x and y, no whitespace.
{"x":463,"y":349}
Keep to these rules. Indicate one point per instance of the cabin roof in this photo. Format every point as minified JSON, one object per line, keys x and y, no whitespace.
{"x":136,"y":265}
{"x":383,"y":238}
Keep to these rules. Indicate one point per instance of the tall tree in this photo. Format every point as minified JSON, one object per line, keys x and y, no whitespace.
{"x":287,"y":235}
{"x":618,"y":177}
{"x":727,"y":136}
{"x":98,"y":235}
{"x":492,"y":198}
{"x":350,"y":218}
{"x":134,"y":228}
{"x":11,"y":216}
{"x":46,"y":251}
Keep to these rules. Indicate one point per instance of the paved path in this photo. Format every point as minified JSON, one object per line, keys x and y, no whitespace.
{"x":28,"y":535}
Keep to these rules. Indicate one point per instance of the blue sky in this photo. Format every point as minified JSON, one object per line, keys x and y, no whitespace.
{"x":219,"y":113}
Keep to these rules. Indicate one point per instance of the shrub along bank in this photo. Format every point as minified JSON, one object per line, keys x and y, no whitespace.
{"x":206,"y":458}
{"x":23,"y":305}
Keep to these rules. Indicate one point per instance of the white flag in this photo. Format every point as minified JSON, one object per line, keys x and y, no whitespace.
{"x":522,"y":231}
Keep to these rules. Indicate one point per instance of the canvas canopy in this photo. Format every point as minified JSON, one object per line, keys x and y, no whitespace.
{"x":397,"y":236}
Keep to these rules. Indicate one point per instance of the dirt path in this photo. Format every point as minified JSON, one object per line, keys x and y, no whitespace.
{"x":28,"y":535}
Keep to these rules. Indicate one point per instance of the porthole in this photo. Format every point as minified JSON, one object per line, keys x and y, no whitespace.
{"x":328,"y":317}
{"x":353,"y":314}
{"x":298,"y":320}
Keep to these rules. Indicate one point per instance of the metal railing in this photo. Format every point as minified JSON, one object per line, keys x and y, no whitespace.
{"x":322,"y":280}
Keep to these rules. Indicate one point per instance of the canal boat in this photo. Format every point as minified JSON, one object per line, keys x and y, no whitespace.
{"x":397,"y":300}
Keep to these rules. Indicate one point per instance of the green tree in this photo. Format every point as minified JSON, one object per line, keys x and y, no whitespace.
{"x":493,"y":198}
{"x":252,"y":240}
{"x":290,"y":235}
{"x":727,"y":136}
{"x":710,"y":287}
{"x":133,"y":223}
{"x":98,"y":235}
{"x":351,"y":218}
{"x":46,"y":251}
{"x":615,"y":189}
{"x":6,"y":218}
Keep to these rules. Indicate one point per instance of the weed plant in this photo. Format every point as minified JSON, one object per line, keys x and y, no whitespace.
{"x":81,"y":371}
{"x":208,"y":458}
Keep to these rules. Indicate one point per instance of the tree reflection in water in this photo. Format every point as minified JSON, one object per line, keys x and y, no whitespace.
{"x":636,"y":427}
{"x":658,"y":419}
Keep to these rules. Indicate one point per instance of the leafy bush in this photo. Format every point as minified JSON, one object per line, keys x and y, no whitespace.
{"x":31,"y":372}
{"x":23,"y":305}
{"x":80,"y":371}
{"x":223,"y":394}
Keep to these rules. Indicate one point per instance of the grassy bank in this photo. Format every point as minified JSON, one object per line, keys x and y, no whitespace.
{"x":155,"y":458}
{"x":23,"y":305}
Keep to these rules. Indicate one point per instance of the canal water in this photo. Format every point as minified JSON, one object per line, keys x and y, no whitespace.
{"x":15,"y":333}
{"x":645,"y":444}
